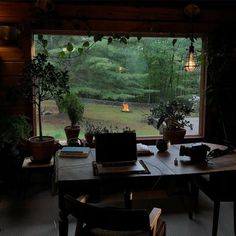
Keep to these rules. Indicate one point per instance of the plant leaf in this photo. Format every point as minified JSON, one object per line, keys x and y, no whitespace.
{"x":174,"y":42}
{"x":86,"y":44}
{"x":69,"y":47}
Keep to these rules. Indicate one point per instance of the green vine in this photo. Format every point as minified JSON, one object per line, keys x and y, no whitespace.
{"x":85,"y":47}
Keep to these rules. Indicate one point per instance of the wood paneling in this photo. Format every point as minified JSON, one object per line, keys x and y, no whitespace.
{"x":128,"y":17}
{"x":11,"y":68}
{"x":15,"y":10}
{"x":10,"y":81}
{"x":133,"y":27}
{"x":13,"y":58}
{"x":11,"y":54}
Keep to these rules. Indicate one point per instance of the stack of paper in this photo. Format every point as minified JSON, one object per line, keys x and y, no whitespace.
{"x":143,"y":150}
{"x":74,"y":152}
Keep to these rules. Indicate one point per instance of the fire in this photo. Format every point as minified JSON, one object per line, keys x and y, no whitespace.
{"x":125,"y":107}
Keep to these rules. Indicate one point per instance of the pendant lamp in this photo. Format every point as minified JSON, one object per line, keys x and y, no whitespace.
{"x":191,"y":60}
{"x":191,"y":64}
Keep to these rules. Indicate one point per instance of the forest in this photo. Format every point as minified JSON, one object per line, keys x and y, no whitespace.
{"x":106,"y":71}
{"x":144,"y":70}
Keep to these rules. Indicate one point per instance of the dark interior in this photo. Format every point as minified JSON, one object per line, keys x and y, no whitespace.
{"x":216,"y":23}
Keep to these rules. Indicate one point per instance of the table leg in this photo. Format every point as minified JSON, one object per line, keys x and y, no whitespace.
{"x":63,"y":224}
{"x":193,"y":197}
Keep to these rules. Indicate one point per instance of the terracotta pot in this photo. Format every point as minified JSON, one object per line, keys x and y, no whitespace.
{"x":72,"y":132}
{"x":89,"y":139}
{"x":174,"y":136}
{"x":42,"y":150}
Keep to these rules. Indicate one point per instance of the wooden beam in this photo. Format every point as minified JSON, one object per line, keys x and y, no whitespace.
{"x":131,"y":16}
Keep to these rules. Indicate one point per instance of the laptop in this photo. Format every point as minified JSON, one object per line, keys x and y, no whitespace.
{"x":117,"y":153}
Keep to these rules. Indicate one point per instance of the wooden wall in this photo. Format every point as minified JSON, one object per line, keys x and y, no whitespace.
{"x":144,"y":17}
{"x":13,"y":56}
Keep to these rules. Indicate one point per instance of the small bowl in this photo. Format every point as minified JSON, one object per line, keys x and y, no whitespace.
{"x":162,"y":145}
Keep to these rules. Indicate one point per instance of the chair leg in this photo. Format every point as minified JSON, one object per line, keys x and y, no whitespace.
{"x":234,"y":217}
{"x":215,"y":218}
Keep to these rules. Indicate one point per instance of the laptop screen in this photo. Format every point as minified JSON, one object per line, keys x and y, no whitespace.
{"x":115,"y":147}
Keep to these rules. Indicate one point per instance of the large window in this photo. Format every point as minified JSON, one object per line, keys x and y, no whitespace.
{"x":109,"y":76}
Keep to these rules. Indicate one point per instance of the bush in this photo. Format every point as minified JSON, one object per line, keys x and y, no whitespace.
{"x":74,"y":108}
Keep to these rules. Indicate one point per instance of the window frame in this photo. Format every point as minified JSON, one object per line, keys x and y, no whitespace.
{"x":203,"y":82}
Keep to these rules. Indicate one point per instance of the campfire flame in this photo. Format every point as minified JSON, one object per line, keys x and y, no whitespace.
{"x":125,"y":107}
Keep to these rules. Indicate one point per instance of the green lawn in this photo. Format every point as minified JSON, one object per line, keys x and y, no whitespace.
{"x":112,"y":115}
{"x":106,"y":115}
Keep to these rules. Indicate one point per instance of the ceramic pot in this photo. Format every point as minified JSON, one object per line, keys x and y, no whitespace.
{"x":72,"y":132}
{"x":174,"y":136}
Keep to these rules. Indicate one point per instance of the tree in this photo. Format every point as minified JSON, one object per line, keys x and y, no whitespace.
{"x":43,"y":81}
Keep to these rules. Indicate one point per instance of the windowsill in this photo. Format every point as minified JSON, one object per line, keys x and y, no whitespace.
{"x":152,"y":140}
{"x":187,"y":139}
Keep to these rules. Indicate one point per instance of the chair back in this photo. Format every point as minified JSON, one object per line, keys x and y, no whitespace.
{"x":221,"y":185}
{"x":91,"y":217}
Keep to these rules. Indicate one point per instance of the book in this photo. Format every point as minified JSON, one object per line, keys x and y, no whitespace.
{"x":74,"y":152}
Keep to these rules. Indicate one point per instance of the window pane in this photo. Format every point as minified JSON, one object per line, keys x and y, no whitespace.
{"x":119,"y":83}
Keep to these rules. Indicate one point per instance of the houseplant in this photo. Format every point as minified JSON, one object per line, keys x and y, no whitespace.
{"x":43,"y":81}
{"x":90,"y":131}
{"x":171,"y":119}
{"x":74,"y":108}
{"x":14,"y":131}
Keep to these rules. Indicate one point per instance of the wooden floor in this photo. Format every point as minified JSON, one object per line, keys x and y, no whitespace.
{"x":37,"y":213}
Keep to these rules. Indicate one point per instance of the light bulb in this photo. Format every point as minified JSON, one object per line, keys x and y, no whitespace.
{"x":191,"y":64}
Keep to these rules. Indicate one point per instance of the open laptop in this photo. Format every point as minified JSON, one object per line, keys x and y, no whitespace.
{"x":117,"y":153}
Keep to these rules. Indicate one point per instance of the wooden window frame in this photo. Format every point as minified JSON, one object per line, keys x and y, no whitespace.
{"x":152,"y":140}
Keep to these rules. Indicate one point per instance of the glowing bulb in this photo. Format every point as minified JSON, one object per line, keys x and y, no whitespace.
{"x":191,"y":64}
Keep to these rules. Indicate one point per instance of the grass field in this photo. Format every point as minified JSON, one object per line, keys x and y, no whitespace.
{"x":106,"y":115}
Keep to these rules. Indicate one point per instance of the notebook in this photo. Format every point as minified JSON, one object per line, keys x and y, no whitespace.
{"x":117,"y":153}
{"x":74,"y":152}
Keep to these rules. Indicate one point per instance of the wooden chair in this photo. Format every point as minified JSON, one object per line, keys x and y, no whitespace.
{"x":219,"y":187}
{"x":96,"y":220}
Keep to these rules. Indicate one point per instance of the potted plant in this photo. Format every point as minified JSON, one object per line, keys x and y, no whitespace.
{"x":90,"y":130}
{"x":74,"y":108}
{"x":171,"y":118}
{"x":14,"y":131}
{"x":43,"y":81}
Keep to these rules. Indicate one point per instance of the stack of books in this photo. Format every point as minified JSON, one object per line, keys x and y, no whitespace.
{"x":74,"y":152}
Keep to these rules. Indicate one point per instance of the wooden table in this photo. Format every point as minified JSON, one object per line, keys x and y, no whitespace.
{"x":76,"y":174}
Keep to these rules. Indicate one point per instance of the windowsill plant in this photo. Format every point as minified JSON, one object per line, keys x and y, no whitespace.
{"x":171,"y":118}
{"x":91,"y":129}
{"x":43,"y":81}
{"x":74,"y":108}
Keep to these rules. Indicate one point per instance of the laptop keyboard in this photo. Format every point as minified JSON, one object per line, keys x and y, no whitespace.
{"x":118,"y":164}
